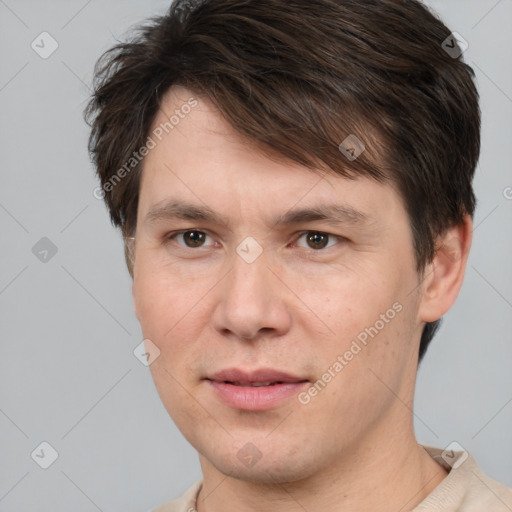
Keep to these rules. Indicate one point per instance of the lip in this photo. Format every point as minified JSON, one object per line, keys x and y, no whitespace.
{"x":244,"y":397}
{"x":260,"y":375}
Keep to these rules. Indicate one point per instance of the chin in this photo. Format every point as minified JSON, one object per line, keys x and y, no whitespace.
{"x":264,"y":474}
{"x":276,"y":469}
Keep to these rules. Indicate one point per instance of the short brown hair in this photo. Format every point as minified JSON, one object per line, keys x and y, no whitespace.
{"x":297,"y":78}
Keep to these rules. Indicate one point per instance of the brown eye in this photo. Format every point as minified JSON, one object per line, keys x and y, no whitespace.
{"x":317,"y":240}
{"x":194,"y":238}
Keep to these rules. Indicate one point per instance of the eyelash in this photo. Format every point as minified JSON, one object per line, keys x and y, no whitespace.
{"x":173,"y":235}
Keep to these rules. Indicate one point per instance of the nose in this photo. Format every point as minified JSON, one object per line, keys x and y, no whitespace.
{"x":252,"y":302}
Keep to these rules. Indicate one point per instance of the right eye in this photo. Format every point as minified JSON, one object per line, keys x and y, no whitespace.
{"x":192,"y":238}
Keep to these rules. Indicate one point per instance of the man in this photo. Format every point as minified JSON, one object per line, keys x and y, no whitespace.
{"x":293,"y":183}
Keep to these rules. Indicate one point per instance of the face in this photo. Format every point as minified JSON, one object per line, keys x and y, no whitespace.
{"x":283,"y":302}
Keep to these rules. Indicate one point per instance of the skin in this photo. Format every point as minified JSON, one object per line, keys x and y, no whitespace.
{"x":295,"y":308}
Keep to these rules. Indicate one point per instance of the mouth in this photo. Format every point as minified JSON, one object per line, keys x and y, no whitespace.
{"x":254,"y":391}
{"x":261,"y":376}
{"x":253,"y":384}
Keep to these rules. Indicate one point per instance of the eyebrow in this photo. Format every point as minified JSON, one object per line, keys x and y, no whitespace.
{"x":331,"y":213}
{"x":178,"y":209}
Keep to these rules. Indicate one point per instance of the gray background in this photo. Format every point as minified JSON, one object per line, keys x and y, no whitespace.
{"x":68,"y":373}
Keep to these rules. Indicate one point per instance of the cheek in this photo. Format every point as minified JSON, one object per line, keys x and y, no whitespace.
{"x":162,"y":298}
{"x":345,"y":303}
{"x":167,"y":306}
{"x":369,"y":322}
{"x":172,"y":309}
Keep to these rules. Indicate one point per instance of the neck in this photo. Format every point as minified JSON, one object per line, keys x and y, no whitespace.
{"x":397,"y":477}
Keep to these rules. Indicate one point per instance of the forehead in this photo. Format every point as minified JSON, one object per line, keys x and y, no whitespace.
{"x":200,"y":159}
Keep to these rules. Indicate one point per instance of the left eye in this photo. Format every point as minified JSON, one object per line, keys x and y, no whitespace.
{"x":317,"y":240}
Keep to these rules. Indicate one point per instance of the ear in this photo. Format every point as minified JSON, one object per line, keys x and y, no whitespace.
{"x":129,"y":253}
{"x":443,"y":277}
{"x":134,"y":301}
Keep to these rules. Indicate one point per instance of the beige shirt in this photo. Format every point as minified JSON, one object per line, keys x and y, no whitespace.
{"x":465,"y":489}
